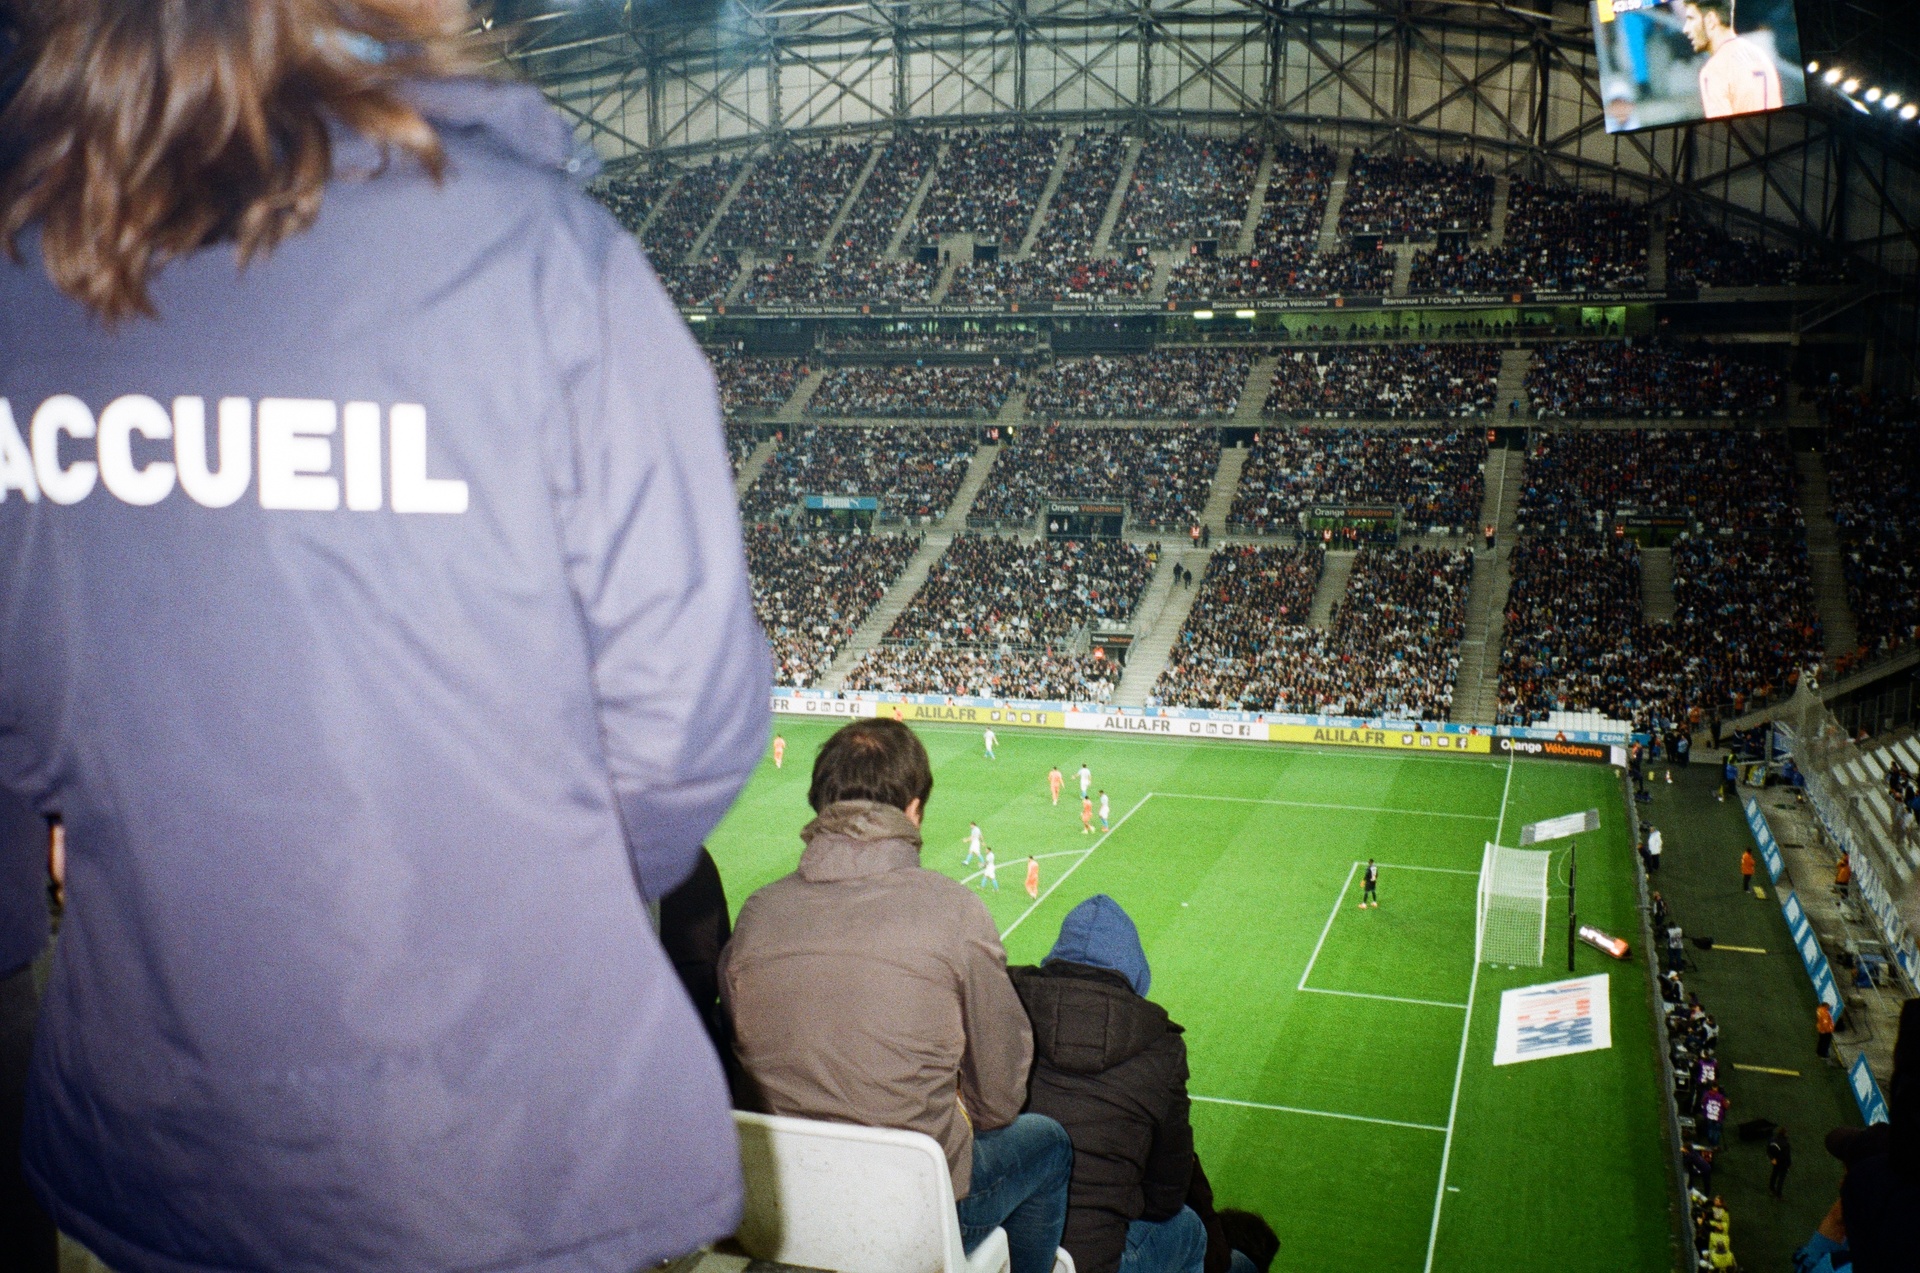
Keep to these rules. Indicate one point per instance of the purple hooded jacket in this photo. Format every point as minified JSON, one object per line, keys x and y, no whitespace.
{"x":378,"y":620}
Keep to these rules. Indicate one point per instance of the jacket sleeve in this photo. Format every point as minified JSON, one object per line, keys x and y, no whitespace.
{"x":645,"y":505}
{"x":1170,"y":1160}
{"x":999,"y":1040}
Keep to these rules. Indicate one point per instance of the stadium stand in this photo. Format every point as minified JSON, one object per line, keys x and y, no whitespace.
{"x":812,"y":589}
{"x":1248,"y":620}
{"x":754,"y":386}
{"x":1164,"y":475}
{"x":1700,"y":254}
{"x":631,"y":195}
{"x":1051,"y":278}
{"x":898,"y":389}
{"x":742,"y":440}
{"x":1436,"y":478}
{"x":995,"y":673}
{"x":689,"y":208}
{"x":913,"y":470}
{"x":1600,"y":378}
{"x":1723,"y":479}
{"x":988,"y":186}
{"x":702,"y":282}
{"x":1411,"y":197}
{"x":1169,"y":384}
{"x":1558,"y":239}
{"x":1873,"y":468}
{"x":1575,"y":639}
{"x":1283,"y":260}
{"x":1186,"y":187}
{"x":1080,"y":202}
{"x":790,"y":200}
{"x":1411,"y":382}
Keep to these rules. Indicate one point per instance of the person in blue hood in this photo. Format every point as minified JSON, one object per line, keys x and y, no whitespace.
{"x":1111,"y":1068}
{"x":374,"y":611}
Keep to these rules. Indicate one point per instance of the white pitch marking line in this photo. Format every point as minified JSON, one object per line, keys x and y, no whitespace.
{"x":1356,"y":994}
{"x":1438,"y":870}
{"x":1038,"y":857}
{"x":1316,"y":1113}
{"x":1309,"y":804}
{"x":1460,"y":1066}
{"x":1338,"y":902}
{"x":1076,"y":866}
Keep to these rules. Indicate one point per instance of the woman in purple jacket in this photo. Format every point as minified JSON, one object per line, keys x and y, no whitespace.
{"x":372,"y":606}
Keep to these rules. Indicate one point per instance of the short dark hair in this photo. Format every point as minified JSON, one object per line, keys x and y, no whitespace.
{"x":1722,"y":9}
{"x":879,"y":760}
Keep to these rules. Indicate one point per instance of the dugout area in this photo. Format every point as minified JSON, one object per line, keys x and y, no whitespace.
{"x":1341,"y":1058}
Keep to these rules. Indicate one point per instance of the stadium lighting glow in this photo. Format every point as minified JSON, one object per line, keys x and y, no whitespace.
{"x":1873,"y":94}
{"x":1850,"y":86}
{"x":1203,"y":313}
{"x":1832,"y":76}
{"x":1909,"y":111}
{"x":1892,"y":102}
{"x":1812,"y":67}
{"x":1245,"y":313}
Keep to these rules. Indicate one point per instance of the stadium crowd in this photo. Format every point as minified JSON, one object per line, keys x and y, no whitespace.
{"x":988,"y":186}
{"x":1873,"y":468}
{"x":791,"y":198}
{"x":1575,"y":640}
{"x":1723,"y":479}
{"x":1405,"y":382}
{"x":899,"y":389}
{"x":1164,"y":475}
{"x":986,"y":590}
{"x":631,"y":196}
{"x":1617,"y":378}
{"x":700,"y":283}
{"x":813,"y":589}
{"x":985,"y":673}
{"x":1186,"y":187}
{"x":1700,"y":254}
{"x":754,"y":386}
{"x":913,"y":470}
{"x":742,"y":441}
{"x":688,"y":209}
{"x":1558,"y":239}
{"x":1051,"y":278}
{"x":1169,"y":384}
{"x":1437,"y":478}
{"x":1411,"y":197}
{"x":1079,"y":205}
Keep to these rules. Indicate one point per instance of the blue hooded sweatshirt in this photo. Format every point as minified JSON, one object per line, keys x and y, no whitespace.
{"x":377,"y":619}
{"x":1099,"y":934}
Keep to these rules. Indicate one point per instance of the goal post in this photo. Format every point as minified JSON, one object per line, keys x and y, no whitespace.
{"x":1512,"y":906}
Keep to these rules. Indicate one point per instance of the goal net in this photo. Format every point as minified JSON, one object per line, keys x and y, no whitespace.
{"x":1513,"y":906}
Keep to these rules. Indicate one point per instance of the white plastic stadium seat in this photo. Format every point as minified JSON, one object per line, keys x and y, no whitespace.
{"x":853,"y":1200}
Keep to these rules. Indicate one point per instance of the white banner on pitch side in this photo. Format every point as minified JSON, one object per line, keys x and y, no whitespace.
{"x":1556,"y":1019}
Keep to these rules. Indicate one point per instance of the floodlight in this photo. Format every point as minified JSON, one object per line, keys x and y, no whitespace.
{"x":1832,"y":76}
{"x":1892,"y":101}
{"x":1812,"y":67}
{"x":1850,"y":86}
{"x":1203,"y":313}
{"x":1909,"y":111}
{"x":1246,"y":313}
{"x":1873,"y":94}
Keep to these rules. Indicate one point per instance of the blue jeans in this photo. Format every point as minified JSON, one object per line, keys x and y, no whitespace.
{"x":1019,"y":1184}
{"x":1174,"y":1245}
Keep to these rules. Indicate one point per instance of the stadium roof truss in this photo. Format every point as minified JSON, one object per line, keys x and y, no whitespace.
{"x":1513,"y":82}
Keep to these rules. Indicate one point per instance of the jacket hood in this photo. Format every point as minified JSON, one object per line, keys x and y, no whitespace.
{"x":1099,"y":934}
{"x":852,"y":839}
{"x":1087,"y":1020}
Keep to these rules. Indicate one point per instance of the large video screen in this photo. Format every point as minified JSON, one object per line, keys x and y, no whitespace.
{"x":1665,"y":62}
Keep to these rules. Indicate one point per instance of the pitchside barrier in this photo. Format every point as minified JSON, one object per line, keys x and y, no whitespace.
{"x":1763,"y":838}
{"x":1815,"y":959}
{"x":1866,"y":1092}
{"x":1383,"y":734}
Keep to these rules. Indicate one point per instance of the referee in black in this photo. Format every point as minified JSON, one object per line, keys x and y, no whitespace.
{"x":1368,"y":896}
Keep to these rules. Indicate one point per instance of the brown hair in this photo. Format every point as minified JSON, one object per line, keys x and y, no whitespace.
{"x":146,"y":129}
{"x":880,"y":760}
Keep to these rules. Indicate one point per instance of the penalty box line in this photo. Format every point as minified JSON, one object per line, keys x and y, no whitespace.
{"x":1317,"y":1113}
{"x":1089,"y":852}
{"x":1338,"y":903}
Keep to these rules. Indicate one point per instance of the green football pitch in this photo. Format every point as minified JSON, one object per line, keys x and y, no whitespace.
{"x":1342,"y":1059}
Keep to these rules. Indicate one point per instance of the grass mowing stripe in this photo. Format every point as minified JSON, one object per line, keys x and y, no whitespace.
{"x":1358,"y":994}
{"x":1344,"y":808}
{"x":1338,"y":902}
{"x":1076,"y":866}
{"x":1466,"y":1033}
{"x":1316,"y":1113}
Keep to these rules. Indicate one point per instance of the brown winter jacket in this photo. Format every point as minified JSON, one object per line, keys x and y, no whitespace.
{"x":866,"y":989}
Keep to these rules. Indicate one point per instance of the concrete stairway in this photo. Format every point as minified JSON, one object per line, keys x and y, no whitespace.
{"x":720,"y":210}
{"x":1837,"y":624}
{"x":1164,"y":262}
{"x":868,"y":634}
{"x":1164,"y":609}
{"x":1332,"y":587}
{"x":1014,"y":409}
{"x":751,"y":469}
{"x":1061,"y":159}
{"x":1403,"y":268}
{"x":1476,"y":694}
{"x":1253,"y":394}
{"x":1103,"y":241}
{"x":1498,"y":234}
{"x":1656,"y":585}
{"x":1512,"y":385}
{"x":977,"y":469}
{"x":1657,"y":256}
{"x":832,"y":235}
{"x":1226,"y":481}
{"x":1336,"y":195}
{"x":795,"y":409}
{"x":920,"y":193}
{"x":659,"y":205}
{"x":1243,"y":246}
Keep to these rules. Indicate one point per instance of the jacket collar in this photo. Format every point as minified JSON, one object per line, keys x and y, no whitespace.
{"x":854,"y":839}
{"x":513,"y":118}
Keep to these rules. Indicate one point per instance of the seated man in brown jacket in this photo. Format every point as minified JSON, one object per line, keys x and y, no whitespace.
{"x":866,"y":989}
